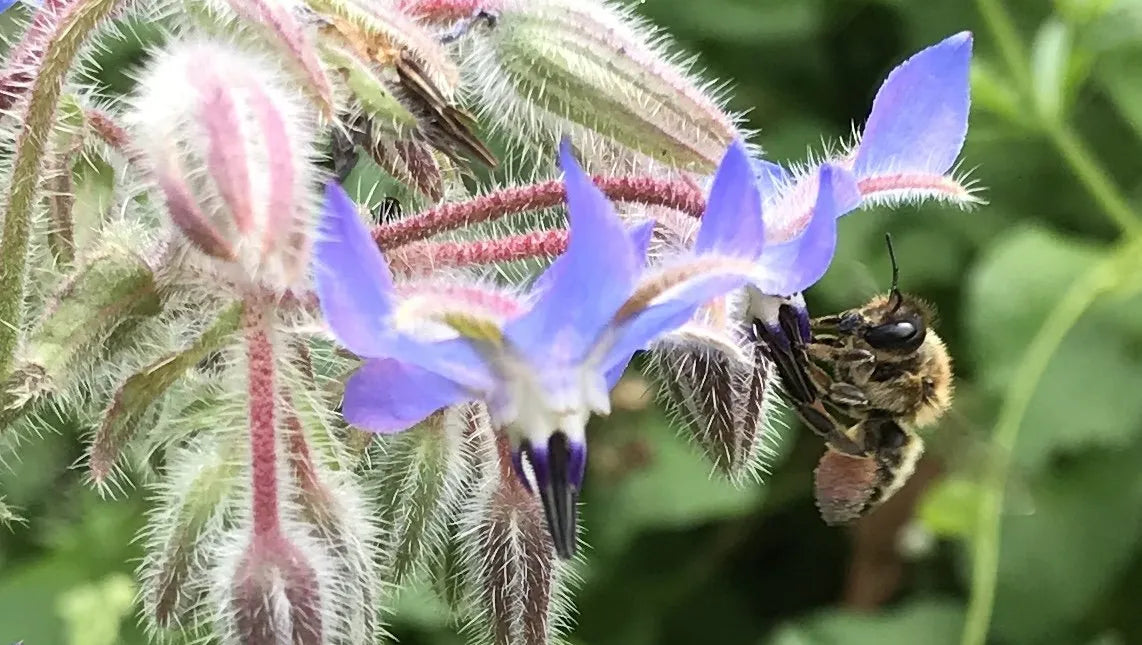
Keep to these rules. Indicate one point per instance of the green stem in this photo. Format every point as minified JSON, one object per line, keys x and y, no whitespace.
{"x":1094,"y":178}
{"x":985,"y":562}
{"x":1007,"y":38}
{"x":1063,"y":137}
{"x":70,"y":33}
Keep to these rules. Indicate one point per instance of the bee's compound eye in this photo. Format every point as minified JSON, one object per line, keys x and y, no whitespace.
{"x":901,"y":334}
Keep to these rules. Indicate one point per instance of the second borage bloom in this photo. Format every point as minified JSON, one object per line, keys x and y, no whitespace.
{"x":545,"y":361}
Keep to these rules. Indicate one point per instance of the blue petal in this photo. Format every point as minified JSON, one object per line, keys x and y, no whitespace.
{"x":771,"y":179}
{"x":385,"y":395}
{"x":732,"y":223}
{"x":585,"y":286}
{"x":793,"y":266}
{"x":920,"y":115}
{"x":638,"y":331}
{"x":354,"y":287}
{"x":640,"y":238}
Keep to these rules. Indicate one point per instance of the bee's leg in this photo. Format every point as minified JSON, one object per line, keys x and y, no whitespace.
{"x":823,"y":424}
{"x":833,"y":354}
{"x":848,"y":396}
{"x":791,"y":362}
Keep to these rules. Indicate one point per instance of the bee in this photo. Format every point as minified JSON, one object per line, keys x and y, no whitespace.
{"x":865,"y":380}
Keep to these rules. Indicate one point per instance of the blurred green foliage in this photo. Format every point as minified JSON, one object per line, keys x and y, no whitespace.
{"x":1039,"y":299}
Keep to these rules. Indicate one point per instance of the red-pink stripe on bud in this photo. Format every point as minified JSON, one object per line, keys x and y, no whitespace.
{"x":296,"y":42}
{"x":445,"y":11}
{"x":424,"y":257}
{"x":281,"y":212}
{"x":193,"y":223}
{"x":652,"y":191}
{"x":226,"y":158}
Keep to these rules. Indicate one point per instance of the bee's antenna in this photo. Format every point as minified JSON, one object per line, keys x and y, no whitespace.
{"x":895,"y":293}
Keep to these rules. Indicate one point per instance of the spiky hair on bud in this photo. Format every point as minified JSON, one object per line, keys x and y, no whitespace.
{"x":546,"y":68}
{"x":516,"y":589}
{"x":230,"y":150}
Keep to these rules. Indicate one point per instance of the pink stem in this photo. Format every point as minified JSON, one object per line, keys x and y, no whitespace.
{"x":651,"y":191}
{"x":425,"y":256}
{"x":263,"y":424}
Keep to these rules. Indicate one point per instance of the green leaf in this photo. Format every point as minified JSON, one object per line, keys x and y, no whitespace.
{"x":950,"y":508}
{"x":1088,"y":394}
{"x":1058,"y":563}
{"x":931,"y":622}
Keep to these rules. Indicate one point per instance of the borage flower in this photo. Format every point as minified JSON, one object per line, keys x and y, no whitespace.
{"x":907,"y":152}
{"x":544,"y":362}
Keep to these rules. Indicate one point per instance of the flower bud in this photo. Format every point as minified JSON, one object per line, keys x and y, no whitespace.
{"x":723,"y":397}
{"x":276,"y":594}
{"x":229,"y":150}
{"x":516,"y":575}
{"x":556,"y":66}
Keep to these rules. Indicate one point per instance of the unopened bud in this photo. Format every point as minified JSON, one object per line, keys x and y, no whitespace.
{"x":723,"y":399}
{"x":554,"y":66}
{"x":276,"y":594}
{"x":229,"y":149}
{"x":516,"y":573}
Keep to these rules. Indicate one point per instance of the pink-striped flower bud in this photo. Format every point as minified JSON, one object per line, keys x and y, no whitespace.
{"x":229,"y":147}
{"x":584,"y":67}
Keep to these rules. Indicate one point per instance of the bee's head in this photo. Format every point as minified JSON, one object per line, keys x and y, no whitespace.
{"x":897,"y":323}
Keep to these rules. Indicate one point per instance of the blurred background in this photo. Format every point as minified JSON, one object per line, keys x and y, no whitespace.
{"x":1038,"y":295}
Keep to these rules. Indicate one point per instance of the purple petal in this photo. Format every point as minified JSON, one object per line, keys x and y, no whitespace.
{"x":459,"y":360}
{"x":920,"y":115}
{"x":585,"y":286}
{"x":771,"y":179}
{"x":638,"y":331}
{"x":385,"y":395}
{"x":793,"y":266}
{"x":732,"y":223}
{"x":640,"y":236}
{"x":354,"y":287}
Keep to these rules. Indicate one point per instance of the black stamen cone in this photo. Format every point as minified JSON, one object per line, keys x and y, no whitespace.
{"x":558,"y":494}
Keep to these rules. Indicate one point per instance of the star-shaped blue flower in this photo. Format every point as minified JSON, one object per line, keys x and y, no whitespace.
{"x":546,"y":362}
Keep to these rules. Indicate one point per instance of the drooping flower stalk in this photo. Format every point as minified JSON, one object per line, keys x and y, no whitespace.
{"x":263,"y":417}
{"x":426,"y":256}
{"x":77,"y":22}
{"x":647,"y":190}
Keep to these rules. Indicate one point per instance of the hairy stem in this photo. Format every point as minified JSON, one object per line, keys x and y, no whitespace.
{"x":650,"y":191}
{"x":427,"y":256}
{"x":985,"y":547}
{"x":76,"y":23}
{"x":263,"y":419}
